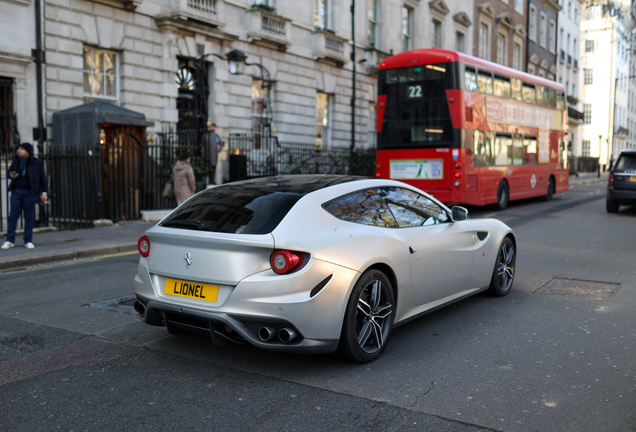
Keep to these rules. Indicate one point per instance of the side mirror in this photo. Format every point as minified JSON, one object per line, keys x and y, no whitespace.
{"x":459,"y":213}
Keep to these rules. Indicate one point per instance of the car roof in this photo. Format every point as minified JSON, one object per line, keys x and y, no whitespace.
{"x":302,"y":184}
{"x":628,"y":151}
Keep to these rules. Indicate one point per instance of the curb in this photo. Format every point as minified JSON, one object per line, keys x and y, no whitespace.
{"x":83,"y":253}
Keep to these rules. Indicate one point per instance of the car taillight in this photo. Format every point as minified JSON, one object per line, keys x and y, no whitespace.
{"x":284,"y":261}
{"x":610,"y":179}
{"x":143,"y":246}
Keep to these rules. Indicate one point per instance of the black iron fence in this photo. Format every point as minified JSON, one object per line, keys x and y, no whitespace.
{"x":119,"y":179}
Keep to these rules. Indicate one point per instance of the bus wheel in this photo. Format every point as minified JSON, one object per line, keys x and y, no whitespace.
{"x":503,"y":195}
{"x":548,"y":197}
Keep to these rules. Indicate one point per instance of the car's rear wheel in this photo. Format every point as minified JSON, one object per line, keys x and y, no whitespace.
{"x":503,"y":195}
{"x":550,"y":193}
{"x":504,"y":271}
{"x":611,"y":206}
{"x":368,"y":318}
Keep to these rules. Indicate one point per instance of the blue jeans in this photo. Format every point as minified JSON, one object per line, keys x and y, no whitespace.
{"x":22,"y":201}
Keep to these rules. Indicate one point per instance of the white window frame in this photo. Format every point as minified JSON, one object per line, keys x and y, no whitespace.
{"x":436,"y":33}
{"x":90,"y":73}
{"x":322,"y":14}
{"x":407,"y":28}
{"x":484,"y":39}
{"x":590,"y":45}
{"x":543,"y":30}
{"x":532,"y":24}
{"x":519,"y":6}
{"x":373,"y":22}
{"x":552,"y":37}
{"x":516,"y":56}
{"x":460,"y":41}
{"x":501,"y":49}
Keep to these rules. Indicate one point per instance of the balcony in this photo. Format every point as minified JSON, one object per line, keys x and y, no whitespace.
{"x":268,"y":28}
{"x":205,"y":11}
{"x":621,"y":132}
{"x":575,"y":116}
{"x":329,"y":47}
{"x":373,"y":58}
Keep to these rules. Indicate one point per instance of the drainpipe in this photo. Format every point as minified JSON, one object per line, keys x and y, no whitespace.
{"x":353,"y":76}
{"x":39,"y":133}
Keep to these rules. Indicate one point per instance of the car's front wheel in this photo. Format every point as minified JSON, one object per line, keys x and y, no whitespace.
{"x":368,"y":318}
{"x":504,"y":272}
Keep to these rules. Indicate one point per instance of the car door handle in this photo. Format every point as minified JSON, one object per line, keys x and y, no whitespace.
{"x":412,"y":250}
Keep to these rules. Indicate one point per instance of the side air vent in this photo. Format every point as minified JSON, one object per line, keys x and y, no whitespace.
{"x":469,"y":114}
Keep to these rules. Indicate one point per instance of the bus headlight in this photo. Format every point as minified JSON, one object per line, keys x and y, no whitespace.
{"x":456,"y":184}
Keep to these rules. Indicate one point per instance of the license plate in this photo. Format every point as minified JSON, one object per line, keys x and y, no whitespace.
{"x":632,"y":178}
{"x":191,"y":290}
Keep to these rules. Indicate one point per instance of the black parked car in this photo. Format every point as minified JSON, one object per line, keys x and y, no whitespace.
{"x":621,"y":186}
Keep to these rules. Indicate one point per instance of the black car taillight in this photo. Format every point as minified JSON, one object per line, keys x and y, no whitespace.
{"x":284,"y":261}
{"x":143,"y":246}
{"x":610,"y":179}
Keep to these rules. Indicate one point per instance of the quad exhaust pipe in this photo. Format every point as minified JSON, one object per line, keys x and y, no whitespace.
{"x":285,"y":335}
{"x":140,"y":308}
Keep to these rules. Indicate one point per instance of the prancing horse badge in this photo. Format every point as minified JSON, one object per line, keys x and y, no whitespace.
{"x":187,"y":260}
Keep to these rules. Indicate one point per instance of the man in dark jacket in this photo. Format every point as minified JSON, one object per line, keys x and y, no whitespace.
{"x":28,"y":181}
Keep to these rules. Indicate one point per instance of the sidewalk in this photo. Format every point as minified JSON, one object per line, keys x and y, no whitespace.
{"x":589,"y":177}
{"x":67,"y":245}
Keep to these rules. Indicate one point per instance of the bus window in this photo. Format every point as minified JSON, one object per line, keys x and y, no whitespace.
{"x":528,"y":93}
{"x":550,"y":97}
{"x":517,"y":149}
{"x":503,"y":150}
{"x":470,"y":80}
{"x":484,"y":82}
{"x":483,"y":149}
{"x":516,"y":88}
{"x":540,"y":95}
{"x":560,"y":99}
{"x":530,"y":151}
{"x":502,"y":86}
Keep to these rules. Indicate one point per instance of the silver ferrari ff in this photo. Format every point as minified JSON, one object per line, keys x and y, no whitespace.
{"x":315,"y":263}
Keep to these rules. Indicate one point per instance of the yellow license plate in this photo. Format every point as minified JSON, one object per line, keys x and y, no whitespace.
{"x":192,"y":290}
{"x":632,"y":178}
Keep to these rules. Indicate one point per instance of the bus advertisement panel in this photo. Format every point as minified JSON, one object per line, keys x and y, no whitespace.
{"x":469,"y":131}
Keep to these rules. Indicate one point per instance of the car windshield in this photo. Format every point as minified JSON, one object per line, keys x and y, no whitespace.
{"x":626,"y":162}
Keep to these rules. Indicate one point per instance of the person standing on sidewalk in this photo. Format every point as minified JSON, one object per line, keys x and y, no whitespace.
{"x":211,"y":146}
{"x":28,"y":182}
{"x":183,"y":178}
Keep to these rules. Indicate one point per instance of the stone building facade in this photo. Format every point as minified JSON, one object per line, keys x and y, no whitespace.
{"x":542,"y":38}
{"x":500,"y":32}
{"x":140,"y":54}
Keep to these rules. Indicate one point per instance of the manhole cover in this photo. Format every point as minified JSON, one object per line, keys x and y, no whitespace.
{"x":581,"y":289}
{"x":119,"y":304}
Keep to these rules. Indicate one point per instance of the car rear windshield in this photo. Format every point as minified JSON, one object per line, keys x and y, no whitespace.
{"x":626,"y":162}
{"x":233,"y":210}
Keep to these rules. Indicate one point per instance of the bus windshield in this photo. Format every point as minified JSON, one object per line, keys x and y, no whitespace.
{"x":417,"y":113}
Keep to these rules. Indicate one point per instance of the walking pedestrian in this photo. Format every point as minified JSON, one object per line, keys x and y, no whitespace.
{"x":212,"y":145}
{"x":183,"y":178}
{"x":28,"y":182}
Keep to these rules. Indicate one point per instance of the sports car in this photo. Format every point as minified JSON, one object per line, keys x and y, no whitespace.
{"x":315,"y":263}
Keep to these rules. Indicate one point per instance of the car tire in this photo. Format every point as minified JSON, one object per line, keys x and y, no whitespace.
{"x":368,"y":319}
{"x":550,"y":193}
{"x":504,"y":272}
{"x":503,"y":195}
{"x":611,"y":206}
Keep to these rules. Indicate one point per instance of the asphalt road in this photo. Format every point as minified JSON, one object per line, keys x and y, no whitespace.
{"x":554,"y":355}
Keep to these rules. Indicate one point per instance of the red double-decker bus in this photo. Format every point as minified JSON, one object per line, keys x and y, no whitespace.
{"x":468,"y":130}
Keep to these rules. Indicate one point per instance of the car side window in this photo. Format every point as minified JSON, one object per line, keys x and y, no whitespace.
{"x":413,"y":209}
{"x":365,"y":207}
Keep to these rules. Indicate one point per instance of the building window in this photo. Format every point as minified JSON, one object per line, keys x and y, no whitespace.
{"x":407,"y":28}
{"x":501,"y":49}
{"x":516,"y":56}
{"x":519,"y":6}
{"x":543,"y":30}
{"x":101,"y":75}
{"x":483,"y":41}
{"x":322,"y":119}
{"x":436,"y":34}
{"x":261,"y":108}
{"x":532,"y":24}
{"x":372,"y":135}
{"x":569,"y":9}
{"x":459,"y":41}
{"x":322,"y":17}
{"x":7,"y":118}
{"x":594,"y":12}
{"x":587,"y":113}
{"x":372,"y":21}
{"x":585,"y":148}
{"x":552,"y":40}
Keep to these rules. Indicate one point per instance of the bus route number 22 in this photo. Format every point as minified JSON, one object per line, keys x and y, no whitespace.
{"x":415,"y":91}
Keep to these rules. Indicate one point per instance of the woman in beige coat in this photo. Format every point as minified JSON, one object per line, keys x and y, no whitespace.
{"x":183,"y":178}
